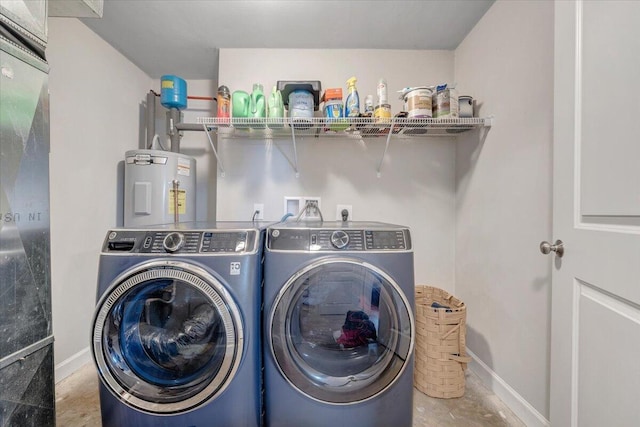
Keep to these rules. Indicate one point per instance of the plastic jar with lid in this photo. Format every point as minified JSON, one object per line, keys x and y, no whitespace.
{"x":382,"y":113}
{"x":334,"y":113}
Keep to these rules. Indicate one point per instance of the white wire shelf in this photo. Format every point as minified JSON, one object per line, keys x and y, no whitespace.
{"x":287,"y":127}
{"x":292,"y":128}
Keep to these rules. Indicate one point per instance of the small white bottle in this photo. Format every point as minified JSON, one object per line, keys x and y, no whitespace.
{"x":368,"y":104}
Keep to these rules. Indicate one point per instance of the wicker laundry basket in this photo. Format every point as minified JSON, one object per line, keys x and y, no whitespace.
{"x":440,"y":343}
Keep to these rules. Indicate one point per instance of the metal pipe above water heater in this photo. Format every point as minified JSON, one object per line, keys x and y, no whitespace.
{"x":174,"y":117}
{"x":151,"y":118}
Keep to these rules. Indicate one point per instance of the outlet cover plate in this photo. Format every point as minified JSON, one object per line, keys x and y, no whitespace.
{"x":258,"y":207}
{"x":339,"y":209}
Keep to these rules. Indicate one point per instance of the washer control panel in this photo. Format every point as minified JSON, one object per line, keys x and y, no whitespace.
{"x":292,"y":239}
{"x":179,"y":242}
{"x":385,"y":240}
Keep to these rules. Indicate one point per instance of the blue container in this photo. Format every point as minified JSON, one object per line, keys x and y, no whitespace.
{"x":173,"y":92}
{"x":301,"y":103}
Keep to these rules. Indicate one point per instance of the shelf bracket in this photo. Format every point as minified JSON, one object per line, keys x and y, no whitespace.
{"x":484,"y":130}
{"x":213,"y":147}
{"x":295,"y":151}
{"x":386,"y":147}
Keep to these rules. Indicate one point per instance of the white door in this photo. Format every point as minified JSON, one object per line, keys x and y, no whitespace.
{"x":595,"y":349}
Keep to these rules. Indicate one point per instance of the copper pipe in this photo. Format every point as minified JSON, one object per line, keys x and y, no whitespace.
{"x":203,"y":98}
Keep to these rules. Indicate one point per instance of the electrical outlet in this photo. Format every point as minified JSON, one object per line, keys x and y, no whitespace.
{"x":340,"y":208}
{"x":258,"y":211}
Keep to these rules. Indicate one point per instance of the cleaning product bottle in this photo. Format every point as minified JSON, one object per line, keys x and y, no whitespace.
{"x":382,"y":92}
{"x":257,"y":107}
{"x":224,"y":103}
{"x":276,"y":109}
{"x":352,"y":106}
{"x":368,"y":106}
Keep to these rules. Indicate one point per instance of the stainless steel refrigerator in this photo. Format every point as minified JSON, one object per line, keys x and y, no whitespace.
{"x":26,"y":340}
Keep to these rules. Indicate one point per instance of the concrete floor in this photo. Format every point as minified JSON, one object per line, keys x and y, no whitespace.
{"x":78,"y":405}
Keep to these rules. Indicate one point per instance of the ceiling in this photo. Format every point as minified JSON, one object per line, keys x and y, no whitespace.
{"x":182,"y":37}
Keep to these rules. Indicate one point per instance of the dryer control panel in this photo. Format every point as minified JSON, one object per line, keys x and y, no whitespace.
{"x":180,"y":241}
{"x":331,"y":240}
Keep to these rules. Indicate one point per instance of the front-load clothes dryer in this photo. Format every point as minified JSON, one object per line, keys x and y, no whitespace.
{"x":176,"y":332}
{"x":338,"y":325}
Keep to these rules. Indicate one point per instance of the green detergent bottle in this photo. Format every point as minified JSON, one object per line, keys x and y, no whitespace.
{"x":276,"y":109}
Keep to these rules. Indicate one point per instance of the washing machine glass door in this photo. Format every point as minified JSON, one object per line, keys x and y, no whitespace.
{"x":341,"y":331}
{"x":167,"y":337}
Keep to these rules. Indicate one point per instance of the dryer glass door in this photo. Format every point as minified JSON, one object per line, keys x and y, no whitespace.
{"x":167,"y":337}
{"x":341,"y":331}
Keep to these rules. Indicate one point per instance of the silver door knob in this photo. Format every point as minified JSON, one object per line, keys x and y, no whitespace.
{"x":546,"y":248}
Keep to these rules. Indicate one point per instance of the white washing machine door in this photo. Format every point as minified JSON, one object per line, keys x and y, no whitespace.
{"x":341,"y":331}
{"x":167,"y":337}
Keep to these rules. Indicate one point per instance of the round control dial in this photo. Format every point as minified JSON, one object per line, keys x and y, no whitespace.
{"x":173,"y":241}
{"x":339,"y":239}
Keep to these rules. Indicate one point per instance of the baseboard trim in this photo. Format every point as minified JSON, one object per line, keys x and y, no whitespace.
{"x":72,"y":364}
{"x":520,"y":407}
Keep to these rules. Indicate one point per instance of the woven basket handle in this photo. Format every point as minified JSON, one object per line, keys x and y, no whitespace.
{"x":449,"y":299}
{"x":461,"y":359}
{"x":452,"y":330}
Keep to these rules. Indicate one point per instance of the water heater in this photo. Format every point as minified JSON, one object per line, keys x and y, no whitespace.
{"x":156,"y":183}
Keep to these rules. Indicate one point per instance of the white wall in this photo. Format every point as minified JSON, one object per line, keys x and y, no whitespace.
{"x":416,"y":187}
{"x":503,"y":202}
{"x":96,"y":115}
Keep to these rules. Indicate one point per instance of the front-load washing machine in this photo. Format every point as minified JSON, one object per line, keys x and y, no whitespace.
{"x":176,"y":335}
{"x":338,"y":325}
